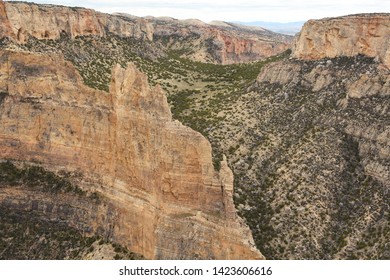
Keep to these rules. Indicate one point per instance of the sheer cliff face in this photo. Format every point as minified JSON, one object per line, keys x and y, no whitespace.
{"x":207,"y":43}
{"x":164,"y":197}
{"x":5,"y":27}
{"x":50,"y":22}
{"x":219,"y":44}
{"x":366,"y":34}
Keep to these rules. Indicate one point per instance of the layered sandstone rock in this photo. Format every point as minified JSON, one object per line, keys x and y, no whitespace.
{"x":165,"y":198}
{"x":234,"y":49}
{"x":50,"y":22}
{"x":366,"y":34}
{"x":208,"y":43}
{"x":79,"y":212}
{"x":224,"y":44}
{"x":5,"y":27}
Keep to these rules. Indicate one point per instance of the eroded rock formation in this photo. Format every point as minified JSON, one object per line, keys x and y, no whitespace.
{"x":156,"y":176}
{"x":224,"y":44}
{"x":366,"y":34}
{"x":50,"y":22}
{"x":208,"y":43}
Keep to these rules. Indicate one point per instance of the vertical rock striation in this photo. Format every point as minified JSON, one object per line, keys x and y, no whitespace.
{"x":5,"y":27}
{"x":51,"y":22}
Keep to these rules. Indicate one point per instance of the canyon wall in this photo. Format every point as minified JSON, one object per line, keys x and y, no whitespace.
{"x":366,"y":34}
{"x":50,"y":22}
{"x":208,"y":43}
{"x":219,"y":44}
{"x":328,"y":112}
{"x":156,"y":175}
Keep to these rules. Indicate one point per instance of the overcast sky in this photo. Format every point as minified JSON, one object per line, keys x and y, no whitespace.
{"x":233,"y":10}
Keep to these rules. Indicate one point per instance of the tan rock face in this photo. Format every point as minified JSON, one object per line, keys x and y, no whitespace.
{"x":49,"y":22}
{"x":279,"y":72}
{"x":366,"y":34}
{"x":209,"y":43}
{"x":235,"y":49}
{"x":168,"y":200}
{"x":223,"y":44}
{"x":5,"y":27}
{"x":369,"y":85}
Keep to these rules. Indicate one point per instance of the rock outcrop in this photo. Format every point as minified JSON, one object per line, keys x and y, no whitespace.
{"x":207,"y":43}
{"x":366,"y":34}
{"x":165,"y":198}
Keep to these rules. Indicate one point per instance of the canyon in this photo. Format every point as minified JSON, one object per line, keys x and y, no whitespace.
{"x":197,"y":40}
{"x":291,"y":157}
{"x":315,"y":148}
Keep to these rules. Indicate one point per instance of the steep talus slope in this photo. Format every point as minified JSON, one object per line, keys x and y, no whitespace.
{"x":159,"y":194}
{"x":321,"y":160}
{"x":200,"y":42}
